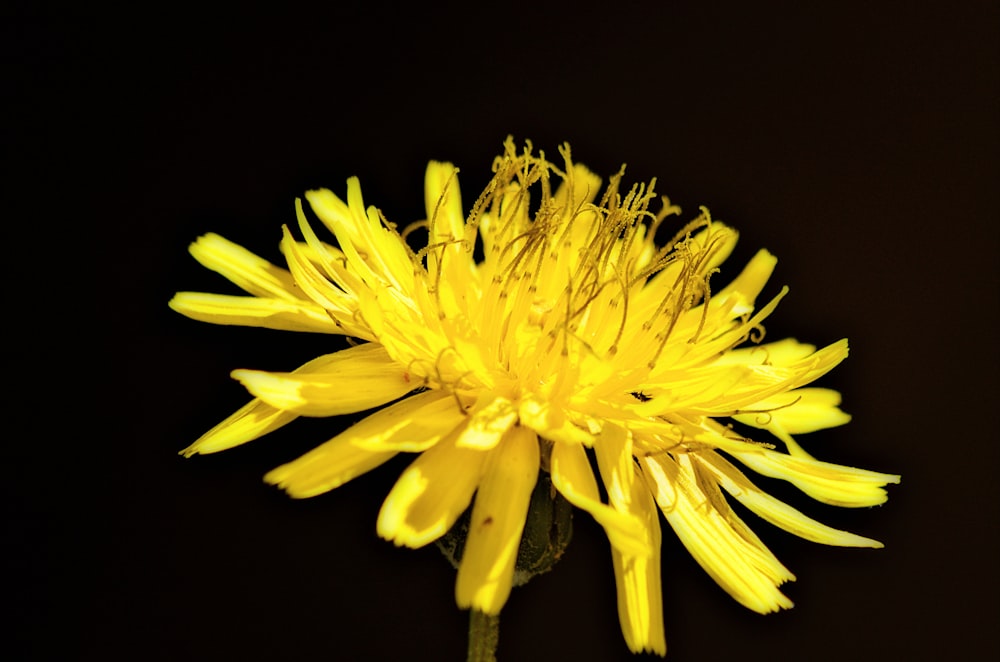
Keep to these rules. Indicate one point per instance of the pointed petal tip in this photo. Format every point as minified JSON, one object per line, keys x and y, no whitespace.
{"x":207,"y":445}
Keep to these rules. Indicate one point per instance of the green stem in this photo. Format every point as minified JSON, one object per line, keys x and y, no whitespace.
{"x":484,"y":634}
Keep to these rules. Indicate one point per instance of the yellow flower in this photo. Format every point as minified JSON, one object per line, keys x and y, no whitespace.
{"x":522,"y":335}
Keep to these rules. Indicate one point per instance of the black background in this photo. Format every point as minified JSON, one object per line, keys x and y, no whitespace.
{"x":858,"y":141}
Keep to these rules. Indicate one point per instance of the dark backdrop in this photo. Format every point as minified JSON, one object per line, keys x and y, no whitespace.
{"x":857,"y":140}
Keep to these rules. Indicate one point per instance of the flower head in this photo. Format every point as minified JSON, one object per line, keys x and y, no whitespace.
{"x":544,"y":325}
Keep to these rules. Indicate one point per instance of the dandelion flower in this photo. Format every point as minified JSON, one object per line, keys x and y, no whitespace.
{"x":544,"y":328}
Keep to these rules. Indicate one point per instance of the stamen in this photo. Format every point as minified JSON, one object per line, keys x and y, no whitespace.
{"x":768,"y":411}
{"x":433,"y":220}
{"x":413,"y":227}
{"x":621,"y":326}
{"x":704,"y":308}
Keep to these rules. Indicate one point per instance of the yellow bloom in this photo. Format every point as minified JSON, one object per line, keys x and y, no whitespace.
{"x":519,"y":337}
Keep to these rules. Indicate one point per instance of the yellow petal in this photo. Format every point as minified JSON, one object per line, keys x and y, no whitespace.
{"x":353,"y":380}
{"x":834,"y":484}
{"x":443,"y":201}
{"x":250,"y":272}
{"x":774,"y":511}
{"x":715,"y":537}
{"x":797,"y":412}
{"x":325,"y":467}
{"x":780,"y":353}
{"x":334,"y":213}
{"x":330,"y":260}
{"x":573,"y":477}
{"x":637,"y":577}
{"x":613,"y":449}
{"x":492,"y":416}
{"x":551,"y":423}
{"x":376,"y":253}
{"x":282,"y":314}
{"x":314,"y":283}
{"x":724,"y":390}
{"x":253,"y":420}
{"x":749,"y":283}
{"x":411,"y":425}
{"x":487,"y":568}
{"x":431,"y":494}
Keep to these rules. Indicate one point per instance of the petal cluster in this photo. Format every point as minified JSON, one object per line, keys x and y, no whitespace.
{"x":544,"y":329}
